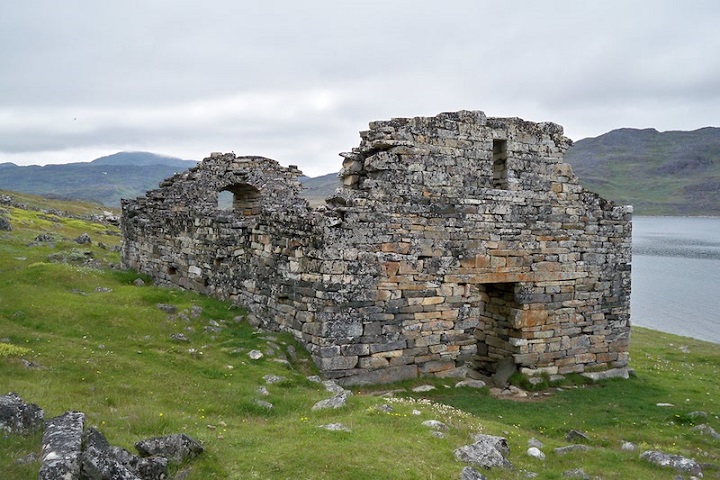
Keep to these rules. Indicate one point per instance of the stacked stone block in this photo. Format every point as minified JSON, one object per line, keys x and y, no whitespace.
{"x":457,"y":241}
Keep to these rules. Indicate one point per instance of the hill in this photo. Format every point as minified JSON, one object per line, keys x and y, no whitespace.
{"x":659,"y":173}
{"x":105,"y":180}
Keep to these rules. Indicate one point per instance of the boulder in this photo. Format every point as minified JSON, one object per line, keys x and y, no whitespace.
{"x":101,"y":461}
{"x":5,"y":224}
{"x":62,"y":447}
{"x":83,"y":239}
{"x":337,"y":401}
{"x":678,"y":462}
{"x":18,"y":417}
{"x":176,"y":447}
{"x":488,"y":451}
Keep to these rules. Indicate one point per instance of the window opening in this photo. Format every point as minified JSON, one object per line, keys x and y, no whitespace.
{"x":241,"y":198}
{"x":500,"y":170}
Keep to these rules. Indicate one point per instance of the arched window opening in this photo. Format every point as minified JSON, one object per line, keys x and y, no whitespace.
{"x":241,"y":198}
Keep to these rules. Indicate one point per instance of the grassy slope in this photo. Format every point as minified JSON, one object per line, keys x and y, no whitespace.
{"x":110,"y":355}
{"x":659,"y":173}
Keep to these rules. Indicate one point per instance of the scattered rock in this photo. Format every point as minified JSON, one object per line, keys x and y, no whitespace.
{"x":488,"y":451}
{"x":195,"y":311}
{"x":435,"y":424}
{"x":678,"y":462}
{"x":575,"y":435}
{"x":177,"y":447}
{"x":385,"y":408}
{"x":262,"y":391}
{"x":264,"y":404}
{"x":166,"y":308}
{"x":628,"y":446}
{"x":578,"y":473}
{"x":604,"y":375}
{"x":469,"y":473}
{"x":437,"y":434}
{"x":697,"y":414}
{"x":314,"y":379}
{"x":706,"y":430}
{"x":332,"y":387}
{"x":255,"y":355}
{"x":103,"y":290}
{"x":337,"y":401}
{"x":83,"y":239}
{"x":139,"y":282}
{"x":271,"y":379}
{"x":62,"y":447}
{"x":423,"y":388}
{"x":536,"y":453}
{"x":664,"y":404}
{"x":335,"y":427}
{"x":534,"y":442}
{"x":180,"y":337}
{"x":44,"y":238}
{"x":18,"y":417}
{"x":572,"y":448}
{"x":470,"y":384}
{"x":5,"y":224}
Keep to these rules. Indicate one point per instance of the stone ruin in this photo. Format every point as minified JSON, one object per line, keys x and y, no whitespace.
{"x":458,"y":244}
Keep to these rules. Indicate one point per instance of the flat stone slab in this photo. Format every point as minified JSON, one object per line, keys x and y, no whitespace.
{"x":62,"y":447}
{"x":607,"y":374}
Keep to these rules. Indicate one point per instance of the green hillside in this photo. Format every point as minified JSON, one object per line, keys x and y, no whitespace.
{"x":659,"y":173}
{"x":76,"y":333}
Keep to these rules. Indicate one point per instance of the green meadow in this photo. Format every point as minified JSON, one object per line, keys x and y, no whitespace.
{"x":77,"y":333}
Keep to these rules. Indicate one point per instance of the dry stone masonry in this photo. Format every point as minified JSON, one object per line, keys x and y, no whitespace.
{"x":458,"y":243}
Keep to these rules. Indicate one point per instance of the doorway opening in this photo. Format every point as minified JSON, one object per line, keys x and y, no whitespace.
{"x":498,"y":308}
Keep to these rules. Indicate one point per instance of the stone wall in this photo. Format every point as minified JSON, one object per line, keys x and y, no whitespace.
{"x":458,"y":243}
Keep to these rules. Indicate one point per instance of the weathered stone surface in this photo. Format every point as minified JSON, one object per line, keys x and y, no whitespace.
{"x":469,"y":473}
{"x":572,"y":448}
{"x":338,"y":401}
{"x":471,"y":384}
{"x":576,"y":435}
{"x":536,"y":453}
{"x":18,"y":417}
{"x":62,"y":447}
{"x":435,"y":425}
{"x":102,"y":461}
{"x":458,"y":243}
{"x":335,"y":427}
{"x":488,"y":451}
{"x":5,"y":224}
{"x":83,"y":239}
{"x":176,"y":447}
{"x":606,"y":374}
{"x":678,"y":462}
{"x":706,"y":430}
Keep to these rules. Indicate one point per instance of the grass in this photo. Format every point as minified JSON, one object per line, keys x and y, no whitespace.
{"x":101,"y":345}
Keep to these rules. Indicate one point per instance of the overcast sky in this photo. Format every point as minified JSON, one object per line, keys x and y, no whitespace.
{"x":295,"y":80}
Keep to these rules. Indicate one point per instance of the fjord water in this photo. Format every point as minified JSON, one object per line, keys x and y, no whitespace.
{"x":676,"y":275}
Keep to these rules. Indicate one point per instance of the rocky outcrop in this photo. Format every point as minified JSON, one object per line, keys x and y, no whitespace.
{"x":18,"y":417}
{"x":62,"y":447}
{"x":71,"y":452}
{"x":457,"y":243}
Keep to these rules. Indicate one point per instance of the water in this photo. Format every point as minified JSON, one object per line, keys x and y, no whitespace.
{"x":676,"y":275}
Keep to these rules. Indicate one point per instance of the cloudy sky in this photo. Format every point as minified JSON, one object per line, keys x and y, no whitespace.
{"x":296,"y":80}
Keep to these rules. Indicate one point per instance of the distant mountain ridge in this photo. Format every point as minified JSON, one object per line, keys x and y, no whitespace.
{"x":104,"y":180}
{"x":659,"y":173}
